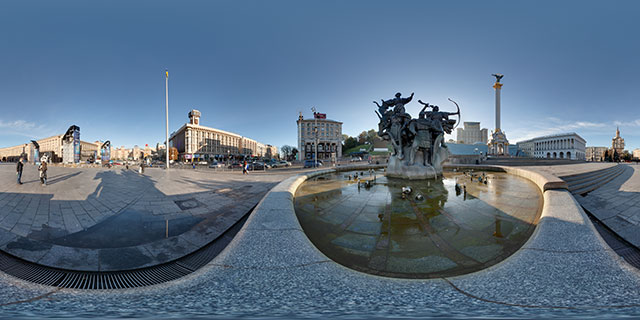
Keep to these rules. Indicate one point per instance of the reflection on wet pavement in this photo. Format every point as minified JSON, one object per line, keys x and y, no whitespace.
{"x":418,"y":229}
{"x":128,"y":228}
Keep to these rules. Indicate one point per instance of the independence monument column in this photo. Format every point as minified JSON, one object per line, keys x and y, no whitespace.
{"x":498,"y":145}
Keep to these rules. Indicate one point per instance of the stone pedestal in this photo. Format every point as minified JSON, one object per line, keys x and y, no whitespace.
{"x":403,"y":169}
{"x":399,"y":169}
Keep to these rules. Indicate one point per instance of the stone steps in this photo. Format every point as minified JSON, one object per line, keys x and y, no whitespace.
{"x":577,"y":178}
{"x":587,"y":182}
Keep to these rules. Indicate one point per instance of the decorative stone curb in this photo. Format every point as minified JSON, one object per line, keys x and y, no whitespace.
{"x":564,"y":264}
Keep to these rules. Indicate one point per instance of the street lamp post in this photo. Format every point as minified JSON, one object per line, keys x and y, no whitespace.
{"x":316,"y":132}
{"x":166,"y":87}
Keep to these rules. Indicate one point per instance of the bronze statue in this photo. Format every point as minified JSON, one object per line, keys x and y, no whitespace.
{"x":498,"y":76}
{"x":398,"y":102}
{"x":409,"y":136}
{"x":421,"y":129}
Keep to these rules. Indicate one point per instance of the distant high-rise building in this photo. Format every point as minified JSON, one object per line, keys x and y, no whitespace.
{"x":471,"y":134}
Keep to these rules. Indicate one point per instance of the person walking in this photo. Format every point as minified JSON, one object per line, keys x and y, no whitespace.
{"x":19,"y":167}
{"x":43,"y":172}
{"x":245,"y":168}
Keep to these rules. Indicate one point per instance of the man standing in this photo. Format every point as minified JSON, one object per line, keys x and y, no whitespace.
{"x":19,"y":169}
{"x":43,"y":173}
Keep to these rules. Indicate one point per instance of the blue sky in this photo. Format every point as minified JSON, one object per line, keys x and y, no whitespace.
{"x":251,"y":66}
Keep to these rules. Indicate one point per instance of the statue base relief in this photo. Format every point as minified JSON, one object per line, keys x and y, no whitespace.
{"x":417,"y":171}
{"x":401,"y":169}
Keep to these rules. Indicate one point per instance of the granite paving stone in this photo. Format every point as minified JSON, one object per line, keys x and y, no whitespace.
{"x":250,"y":279}
{"x":82,"y":207}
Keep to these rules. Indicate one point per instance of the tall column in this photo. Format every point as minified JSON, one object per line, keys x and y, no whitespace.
{"x":498,"y":87}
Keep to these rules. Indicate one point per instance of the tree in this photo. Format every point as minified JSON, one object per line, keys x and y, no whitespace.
{"x":371,"y":136}
{"x":607,"y":158}
{"x":362,"y":137}
{"x":294,"y":152}
{"x":286,"y":151}
{"x":349,"y":143}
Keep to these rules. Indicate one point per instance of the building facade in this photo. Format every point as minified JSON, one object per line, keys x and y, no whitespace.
{"x":328,"y":134}
{"x":617,"y":143}
{"x":52,"y":147}
{"x":636,"y":154}
{"x":471,"y":133}
{"x":197,"y":142}
{"x":12,"y":154}
{"x":557,"y":146}
{"x":595,"y":153}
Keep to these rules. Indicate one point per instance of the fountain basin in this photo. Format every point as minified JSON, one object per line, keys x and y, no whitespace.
{"x":363,"y":220}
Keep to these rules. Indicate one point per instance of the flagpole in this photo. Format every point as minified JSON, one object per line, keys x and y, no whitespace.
{"x":166,"y":87}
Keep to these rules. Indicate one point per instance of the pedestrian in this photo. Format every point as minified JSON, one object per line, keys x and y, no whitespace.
{"x":19,"y":169}
{"x":245,"y":168}
{"x":43,"y":172}
{"x":142,"y":168}
{"x":194,"y":165}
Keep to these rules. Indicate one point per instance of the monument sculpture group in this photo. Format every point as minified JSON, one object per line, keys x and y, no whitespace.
{"x":418,"y":144}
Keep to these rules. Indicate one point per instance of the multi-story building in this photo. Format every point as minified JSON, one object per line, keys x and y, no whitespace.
{"x":14,"y":153}
{"x":136,"y":153}
{"x":595,"y":153}
{"x":617,"y":143}
{"x":636,"y":154}
{"x":556,"y":146}
{"x":89,"y":150}
{"x":328,"y":134}
{"x":194,"y":141}
{"x":471,"y":133}
{"x":50,"y":146}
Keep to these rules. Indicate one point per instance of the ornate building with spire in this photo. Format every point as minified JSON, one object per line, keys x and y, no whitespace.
{"x":617,"y":143}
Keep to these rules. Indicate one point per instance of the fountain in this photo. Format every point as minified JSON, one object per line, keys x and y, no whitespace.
{"x":418,"y":144}
{"x":413,"y":219}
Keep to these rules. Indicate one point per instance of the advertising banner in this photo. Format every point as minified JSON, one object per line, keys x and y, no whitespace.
{"x":76,"y":146}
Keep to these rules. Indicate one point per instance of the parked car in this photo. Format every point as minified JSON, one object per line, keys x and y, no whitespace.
{"x":355,"y":159}
{"x":312,"y":163}
{"x":215,"y":164}
{"x":256,"y":166}
{"x":283,"y":163}
{"x":235,"y":165}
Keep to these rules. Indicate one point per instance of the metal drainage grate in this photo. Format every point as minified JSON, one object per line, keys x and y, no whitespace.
{"x":187,"y":204}
{"x":119,"y":279}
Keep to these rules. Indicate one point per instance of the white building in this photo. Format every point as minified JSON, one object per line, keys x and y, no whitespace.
{"x":471,"y":134}
{"x":636,"y":153}
{"x":194,"y":141}
{"x":327,"y":132}
{"x":557,"y":146}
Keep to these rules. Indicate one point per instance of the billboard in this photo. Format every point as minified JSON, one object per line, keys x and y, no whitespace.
{"x":318,"y":115}
{"x":105,"y":152}
{"x":71,"y":145}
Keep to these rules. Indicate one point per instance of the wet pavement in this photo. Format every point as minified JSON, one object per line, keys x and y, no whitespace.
{"x":435,"y":230}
